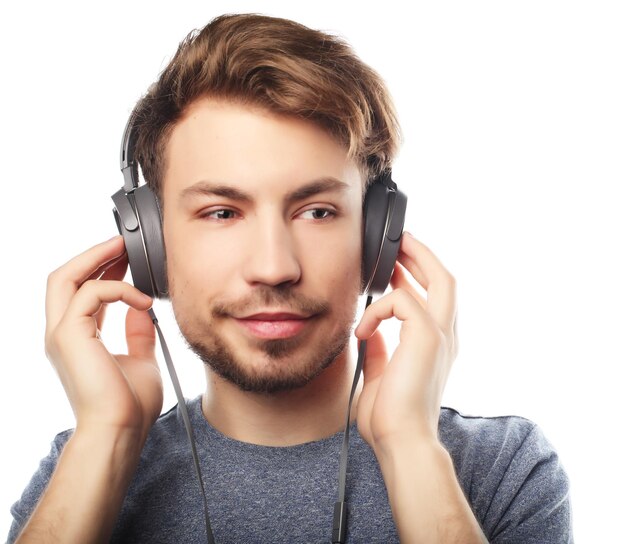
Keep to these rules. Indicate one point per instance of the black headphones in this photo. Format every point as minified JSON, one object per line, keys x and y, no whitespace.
{"x":138,"y":217}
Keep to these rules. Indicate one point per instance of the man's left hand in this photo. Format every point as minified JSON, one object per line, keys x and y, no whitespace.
{"x":401,"y":396}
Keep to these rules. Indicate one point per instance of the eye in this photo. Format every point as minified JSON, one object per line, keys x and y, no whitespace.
{"x":222,"y":214}
{"x":318,"y":214}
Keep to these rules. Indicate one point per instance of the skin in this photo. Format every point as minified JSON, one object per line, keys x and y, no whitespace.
{"x":274,"y":254}
{"x":266,"y":252}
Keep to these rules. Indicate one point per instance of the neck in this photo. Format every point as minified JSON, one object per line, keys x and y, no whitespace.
{"x":315,"y":411}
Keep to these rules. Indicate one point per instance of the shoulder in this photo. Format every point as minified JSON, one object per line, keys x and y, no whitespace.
{"x":506,"y":434}
{"x":511,"y":474}
{"x":483,"y":447}
{"x":169,"y":426}
{"x":167,"y":444}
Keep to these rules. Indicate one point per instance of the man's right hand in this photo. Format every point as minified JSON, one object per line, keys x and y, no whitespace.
{"x":109,"y":393}
{"x":116,"y":398}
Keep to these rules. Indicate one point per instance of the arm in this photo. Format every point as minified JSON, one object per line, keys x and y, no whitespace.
{"x":115,"y":399}
{"x":426,"y":499}
{"x":86,"y":490}
{"x":398,"y":408}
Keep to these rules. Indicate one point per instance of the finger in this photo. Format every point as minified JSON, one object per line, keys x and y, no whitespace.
{"x":93,"y":293}
{"x":399,"y":279}
{"x":440,"y":285}
{"x":376,"y":357}
{"x":113,"y":270}
{"x":65,"y":281}
{"x":400,"y":304}
{"x":406,"y":258}
{"x":140,"y":335}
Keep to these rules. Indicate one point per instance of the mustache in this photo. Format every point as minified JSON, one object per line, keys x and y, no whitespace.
{"x":266,"y":296}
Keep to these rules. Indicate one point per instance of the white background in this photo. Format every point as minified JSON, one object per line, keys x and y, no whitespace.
{"x":514,"y":117}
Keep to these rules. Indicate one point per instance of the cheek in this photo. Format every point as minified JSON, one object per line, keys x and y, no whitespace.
{"x":192,"y":265}
{"x":336,"y":264}
{"x":174,"y":250}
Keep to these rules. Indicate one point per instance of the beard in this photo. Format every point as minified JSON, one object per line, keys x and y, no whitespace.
{"x":288,"y":363}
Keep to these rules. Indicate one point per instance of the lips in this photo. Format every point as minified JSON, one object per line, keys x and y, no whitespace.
{"x":275,"y":316}
{"x":268,"y":325}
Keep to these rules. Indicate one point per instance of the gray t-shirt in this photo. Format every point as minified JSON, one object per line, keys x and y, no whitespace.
{"x":509,"y":472}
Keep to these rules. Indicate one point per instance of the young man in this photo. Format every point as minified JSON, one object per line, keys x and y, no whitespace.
{"x":260,"y":139}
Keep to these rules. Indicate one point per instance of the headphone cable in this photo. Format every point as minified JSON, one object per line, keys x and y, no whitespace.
{"x":340,"y":515}
{"x":183,"y":408}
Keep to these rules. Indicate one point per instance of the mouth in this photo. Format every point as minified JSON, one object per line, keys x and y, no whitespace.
{"x":277,"y":325}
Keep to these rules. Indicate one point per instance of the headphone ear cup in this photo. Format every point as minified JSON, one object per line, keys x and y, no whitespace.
{"x":383,"y":215}
{"x":135,"y":252}
{"x":151,"y":227}
{"x":374,"y":217}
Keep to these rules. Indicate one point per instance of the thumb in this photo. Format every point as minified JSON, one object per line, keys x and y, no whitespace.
{"x":375,"y":357}
{"x":140,"y":334}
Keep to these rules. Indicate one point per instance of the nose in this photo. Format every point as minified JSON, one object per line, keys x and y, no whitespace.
{"x":272,"y":258}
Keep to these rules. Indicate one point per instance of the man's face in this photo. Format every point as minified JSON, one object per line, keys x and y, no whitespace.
{"x":262,"y":225}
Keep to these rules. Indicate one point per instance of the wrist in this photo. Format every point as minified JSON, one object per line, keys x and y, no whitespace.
{"x":414,"y":438}
{"x":409,"y":449}
{"x":121,"y":446}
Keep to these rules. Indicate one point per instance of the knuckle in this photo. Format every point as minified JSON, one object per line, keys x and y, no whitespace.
{"x":96,"y":288}
{"x":405,"y":297}
{"x":89,"y":284}
{"x":450,"y":281}
{"x":401,"y":293}
{"x":52,"y":277}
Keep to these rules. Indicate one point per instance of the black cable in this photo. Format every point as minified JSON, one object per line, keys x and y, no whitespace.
{"x":183,"y":407}
{"x":340,"y":516}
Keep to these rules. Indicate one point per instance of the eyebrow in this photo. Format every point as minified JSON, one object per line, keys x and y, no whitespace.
{"x":208,"y":188}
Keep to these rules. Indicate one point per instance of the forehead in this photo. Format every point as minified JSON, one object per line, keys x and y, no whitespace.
{"x":251,"y":148}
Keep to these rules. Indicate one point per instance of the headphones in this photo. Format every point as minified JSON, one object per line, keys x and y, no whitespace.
{"x":139,"y":220}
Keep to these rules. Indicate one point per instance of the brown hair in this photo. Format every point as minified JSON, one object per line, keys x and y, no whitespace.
{"x":282,"y":66}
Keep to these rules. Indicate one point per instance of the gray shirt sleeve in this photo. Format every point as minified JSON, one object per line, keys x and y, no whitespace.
{"x":531,"y":504}
{"x":24,"y":507}
{"x":512,"y":477}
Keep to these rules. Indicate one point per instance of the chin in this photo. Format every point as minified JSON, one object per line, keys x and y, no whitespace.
{"x":279,"y":365}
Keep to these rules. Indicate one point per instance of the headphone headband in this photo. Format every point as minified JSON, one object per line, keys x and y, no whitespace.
{"x":128,"y":164}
